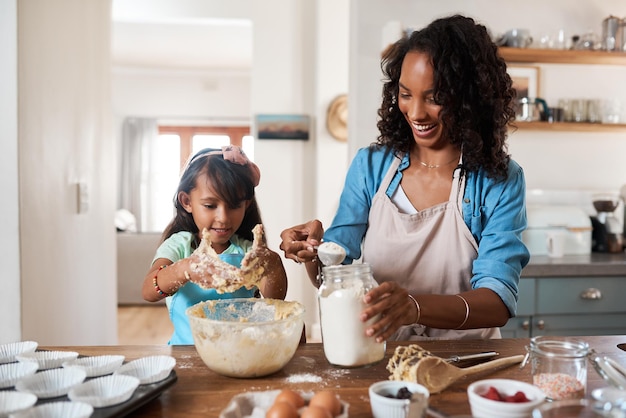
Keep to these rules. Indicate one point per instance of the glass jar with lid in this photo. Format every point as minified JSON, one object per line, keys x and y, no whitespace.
{"x":340,"y":298}
{"x":559,"y":366}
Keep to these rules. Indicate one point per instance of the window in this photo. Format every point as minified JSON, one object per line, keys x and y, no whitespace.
{"x":168,"y":156}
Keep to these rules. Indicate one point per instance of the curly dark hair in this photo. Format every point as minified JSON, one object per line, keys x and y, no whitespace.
{"x":471,"y":84}
{"x":232,"y":182}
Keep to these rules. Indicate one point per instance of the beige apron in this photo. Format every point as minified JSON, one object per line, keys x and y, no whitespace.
{"x":430,"y":251}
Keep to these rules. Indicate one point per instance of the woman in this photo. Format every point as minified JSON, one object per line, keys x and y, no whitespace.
{"x":436,"y":205}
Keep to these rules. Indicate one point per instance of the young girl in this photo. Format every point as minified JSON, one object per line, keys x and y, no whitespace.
{"x":216,"y":192}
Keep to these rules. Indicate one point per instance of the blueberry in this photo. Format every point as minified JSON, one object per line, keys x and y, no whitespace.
{"x":404,"y":393}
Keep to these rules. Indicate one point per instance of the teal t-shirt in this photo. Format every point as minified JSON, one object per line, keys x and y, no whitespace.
{"x":177,"y":247}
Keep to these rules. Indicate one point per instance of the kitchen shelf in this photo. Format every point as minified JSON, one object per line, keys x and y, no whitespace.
{"x":562,"y":56}
{"x":570,"y":126}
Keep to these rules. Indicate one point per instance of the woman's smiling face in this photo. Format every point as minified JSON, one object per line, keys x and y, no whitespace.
{"x":416,"y":99}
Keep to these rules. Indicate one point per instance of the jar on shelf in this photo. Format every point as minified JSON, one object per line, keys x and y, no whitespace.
{"x":340,"y":298}
{"x":559,"y":366}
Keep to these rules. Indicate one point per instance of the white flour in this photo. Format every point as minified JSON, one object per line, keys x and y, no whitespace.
{"x":343,"y":333}
{"x":304,"y":377}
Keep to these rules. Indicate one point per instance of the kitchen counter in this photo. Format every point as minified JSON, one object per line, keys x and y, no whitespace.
{"x":594,"y":264}
{"x":198,"y":392}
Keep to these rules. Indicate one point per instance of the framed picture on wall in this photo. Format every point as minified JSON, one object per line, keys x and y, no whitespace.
{"x":282,"y":127}
{"x":525,"y":80}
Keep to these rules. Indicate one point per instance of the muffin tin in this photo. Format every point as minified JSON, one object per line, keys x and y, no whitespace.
{"x":99,"y":382}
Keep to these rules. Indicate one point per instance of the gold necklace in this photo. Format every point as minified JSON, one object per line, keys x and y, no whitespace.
{"x":437,"y":165}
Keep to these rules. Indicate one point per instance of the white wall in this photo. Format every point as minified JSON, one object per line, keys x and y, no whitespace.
{"x":171,"y":94}
{"x":67,"y":258}
{"x":9,"y":216}
{"x":551,"y":160}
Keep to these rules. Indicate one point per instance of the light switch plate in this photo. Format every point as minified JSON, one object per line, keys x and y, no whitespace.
{"x":83,"y":197}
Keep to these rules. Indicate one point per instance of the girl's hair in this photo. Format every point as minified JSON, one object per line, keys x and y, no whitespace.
{"x":471,"y":84}
{"x":232,"y":182}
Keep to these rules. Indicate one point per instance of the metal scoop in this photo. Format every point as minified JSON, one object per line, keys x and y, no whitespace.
{"x":330,"y":254}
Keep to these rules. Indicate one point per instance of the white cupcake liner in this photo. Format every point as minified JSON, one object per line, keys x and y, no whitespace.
{"x":11,"y":402}
{"x":97,"y":365}
{"x":10,"y":350}
{"x":11,"y":373}
{"x":149,"y":369}
{"x":57,"y":410}
{"x":48,"y":359}
{"x":105,"y":391}
{"x":51,"y":383}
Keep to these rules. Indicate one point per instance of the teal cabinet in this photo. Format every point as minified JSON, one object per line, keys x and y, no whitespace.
{"x":573,"y":306}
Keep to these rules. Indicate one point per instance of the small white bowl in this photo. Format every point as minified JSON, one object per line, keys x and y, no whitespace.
{"x":10,"y":350}
{"x":51,"y":383}
{"x":385,"y":405}
{"x":149,"y":369}
{"x":48,"y":359}
{"x":12,"y":402}
{"x":105,"y":391}
{"x":57,"y":410}
{"x":11,"y":373}
{"x":487,"y":408}
{"x":97,"y":365}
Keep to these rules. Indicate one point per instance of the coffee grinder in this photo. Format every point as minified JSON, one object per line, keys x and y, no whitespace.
{"x":607,"y":235}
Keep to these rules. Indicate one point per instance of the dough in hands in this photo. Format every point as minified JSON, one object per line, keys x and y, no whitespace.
{"x":211,"y":272}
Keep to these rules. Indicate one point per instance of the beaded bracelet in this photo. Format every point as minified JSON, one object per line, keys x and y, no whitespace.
{"x":467,"y":311}
{"x":156,"y":285}
{"x":419,"y":311}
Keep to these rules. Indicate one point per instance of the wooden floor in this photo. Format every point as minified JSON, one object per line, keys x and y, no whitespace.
{"x":143,"y":324}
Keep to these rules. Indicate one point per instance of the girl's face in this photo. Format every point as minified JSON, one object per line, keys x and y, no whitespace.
{"x":211,"y":212}
{"x":416,"y":100}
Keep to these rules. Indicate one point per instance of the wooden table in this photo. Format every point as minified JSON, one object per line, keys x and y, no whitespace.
{"x":201,"y":393}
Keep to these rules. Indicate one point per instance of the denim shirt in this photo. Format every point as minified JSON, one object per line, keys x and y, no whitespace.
{"x":494,"y":211}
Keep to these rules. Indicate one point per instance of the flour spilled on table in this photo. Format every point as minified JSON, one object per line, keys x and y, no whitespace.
{"x":304,"y":377}
{"x":336,"y":373}
{"x":184,"y":364}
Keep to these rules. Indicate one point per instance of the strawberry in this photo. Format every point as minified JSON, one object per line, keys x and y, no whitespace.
{"x":493,"y":394}
{"x":517,"y":398}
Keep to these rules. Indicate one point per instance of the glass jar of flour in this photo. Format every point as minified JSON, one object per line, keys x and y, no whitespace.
{"x":340,"y":298}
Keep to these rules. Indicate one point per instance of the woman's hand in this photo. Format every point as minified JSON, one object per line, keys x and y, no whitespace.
{"x":299,"y":242}
{"x":394,"y":306}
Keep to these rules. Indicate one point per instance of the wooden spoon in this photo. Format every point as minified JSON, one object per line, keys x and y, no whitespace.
{"x":436,"y":374}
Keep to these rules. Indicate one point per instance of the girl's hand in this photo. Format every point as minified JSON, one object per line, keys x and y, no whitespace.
{"x":208,"y":271}
{"x":257,"y":259}
{"x":299,"y":243}
{"x":394,"y":306}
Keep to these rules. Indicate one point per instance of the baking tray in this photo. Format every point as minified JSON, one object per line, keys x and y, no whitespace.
{"x":142,"y":395}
